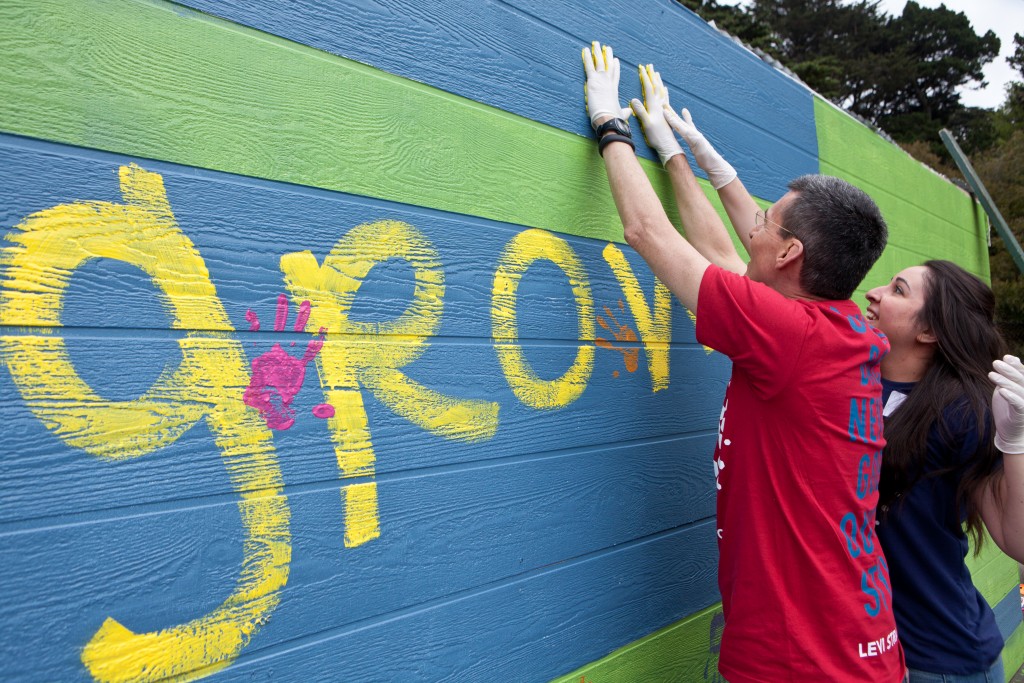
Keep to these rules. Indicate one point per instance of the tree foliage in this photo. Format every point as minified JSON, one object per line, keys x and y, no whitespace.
{"x":1013,"y":109}
{"x":904,"y":74}
{"x":1002,"y":170}
{"x":901,"y":73}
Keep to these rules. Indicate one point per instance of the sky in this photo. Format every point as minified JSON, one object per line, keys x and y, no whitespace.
{"x":1001,"y":16}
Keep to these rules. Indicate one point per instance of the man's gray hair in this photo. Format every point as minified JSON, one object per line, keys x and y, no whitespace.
{"x":842,"y":231}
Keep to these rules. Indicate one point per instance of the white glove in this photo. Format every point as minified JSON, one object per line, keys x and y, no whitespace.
{"x":601,"y":91}
{"x":720,"y":173}
{"x":651,"y":114}
{"x":1008,"y":404}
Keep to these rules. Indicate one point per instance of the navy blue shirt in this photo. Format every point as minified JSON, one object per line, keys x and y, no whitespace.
{"x":944,"y":623}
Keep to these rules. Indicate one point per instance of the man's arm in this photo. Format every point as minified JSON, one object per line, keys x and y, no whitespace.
{"x":741,"y":208}
{"x":1002,"y":501}
{"x":704,"y":229}
{"x":738,"y":203}
{"x":647,"y":228}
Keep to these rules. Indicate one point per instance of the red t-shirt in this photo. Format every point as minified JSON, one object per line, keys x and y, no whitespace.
{"x":805,"y":587}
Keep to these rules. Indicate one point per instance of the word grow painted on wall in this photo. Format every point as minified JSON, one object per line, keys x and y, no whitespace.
{"x":211,"y":382}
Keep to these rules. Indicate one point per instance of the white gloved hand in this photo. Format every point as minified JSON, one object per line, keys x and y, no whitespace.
{"x":601,"y":90}
{"x":719,"y":171}
{"x":651,"y":114}
{"x":1008,"y":404}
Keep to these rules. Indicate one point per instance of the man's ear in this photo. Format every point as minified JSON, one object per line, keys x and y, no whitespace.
{"x":790,"y":253}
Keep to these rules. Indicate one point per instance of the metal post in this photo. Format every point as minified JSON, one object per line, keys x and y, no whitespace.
{"x":981,"y":193}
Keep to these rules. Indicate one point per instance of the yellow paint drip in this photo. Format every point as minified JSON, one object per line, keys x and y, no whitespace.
{"x":361,"y":506}
{"x":373,"y":353}
{"x":48,"y":247}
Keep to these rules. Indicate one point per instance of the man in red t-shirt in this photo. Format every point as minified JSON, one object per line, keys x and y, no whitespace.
{"x":805,"y":588}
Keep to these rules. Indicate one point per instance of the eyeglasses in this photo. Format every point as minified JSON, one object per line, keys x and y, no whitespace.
{"x":761,"y":221}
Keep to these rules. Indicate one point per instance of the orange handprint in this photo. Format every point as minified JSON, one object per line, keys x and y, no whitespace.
{"x":622,"y":333}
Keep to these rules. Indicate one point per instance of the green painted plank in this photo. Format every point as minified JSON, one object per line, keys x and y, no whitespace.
{"x":153,"y":80}
{"x":894,"y":259}
{"x":926,"y":213}
{"x":993,"y":572}
{"x":684,"y":651}
{"x":1013,"y":655}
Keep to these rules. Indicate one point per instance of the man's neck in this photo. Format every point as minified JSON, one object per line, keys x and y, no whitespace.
{"x":787,"y":281}
{"x":793,"y":290}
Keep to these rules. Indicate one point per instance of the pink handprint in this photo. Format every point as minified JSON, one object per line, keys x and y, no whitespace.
{"x":277,"y":376}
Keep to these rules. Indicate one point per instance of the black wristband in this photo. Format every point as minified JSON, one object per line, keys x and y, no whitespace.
{"x":614,"y":137}
{"x":616,"y":125}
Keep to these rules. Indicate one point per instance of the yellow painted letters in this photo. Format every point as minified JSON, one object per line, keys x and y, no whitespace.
{"x":519,"y":253}
{"x":371,"y":354}
{"x":654,"y":322}
{"x":208,"y":382}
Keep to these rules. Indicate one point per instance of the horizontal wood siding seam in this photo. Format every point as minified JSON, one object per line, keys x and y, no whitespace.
{"x":524,"y":57}
{"x":219,"y":96}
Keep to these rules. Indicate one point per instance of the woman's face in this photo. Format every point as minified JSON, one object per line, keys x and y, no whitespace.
{"x":894,"y":308}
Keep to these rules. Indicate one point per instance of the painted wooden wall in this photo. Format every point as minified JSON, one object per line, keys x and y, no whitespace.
{"x":485,"y":449}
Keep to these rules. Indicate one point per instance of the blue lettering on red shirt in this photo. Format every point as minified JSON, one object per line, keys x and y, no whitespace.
{"x":865,"y":426}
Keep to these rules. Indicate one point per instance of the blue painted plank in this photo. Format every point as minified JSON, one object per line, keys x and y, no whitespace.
{"x":524,"y":57}
{"x":1008,"y":612}
{"x":241,"y":227}
{"x":530,"y":630}
{"x":41,"y":477}
{"x":480,"y":538}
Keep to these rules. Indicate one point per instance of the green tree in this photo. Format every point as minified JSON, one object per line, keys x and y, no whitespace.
{"x":1001,"y":168}
{"x":1016,"y":60}
{"x":929,"y":54}
{"x":1002,"y":171}
{"x":901,"y":73}
{"x":1014,"y":105}
{"x":823,"y":41}
{"x":732,"y":19}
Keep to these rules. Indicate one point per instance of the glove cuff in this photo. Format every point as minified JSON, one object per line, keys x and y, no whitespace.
{"x":720,"y":177}
{"x":667,"y":154}
{"x":720,"y":172}
{"x":1008,"y":447}
{"x":598,"y":114}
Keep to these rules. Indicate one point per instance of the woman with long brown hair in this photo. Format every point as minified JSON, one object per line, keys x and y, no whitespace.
{"x":942,"y":476}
